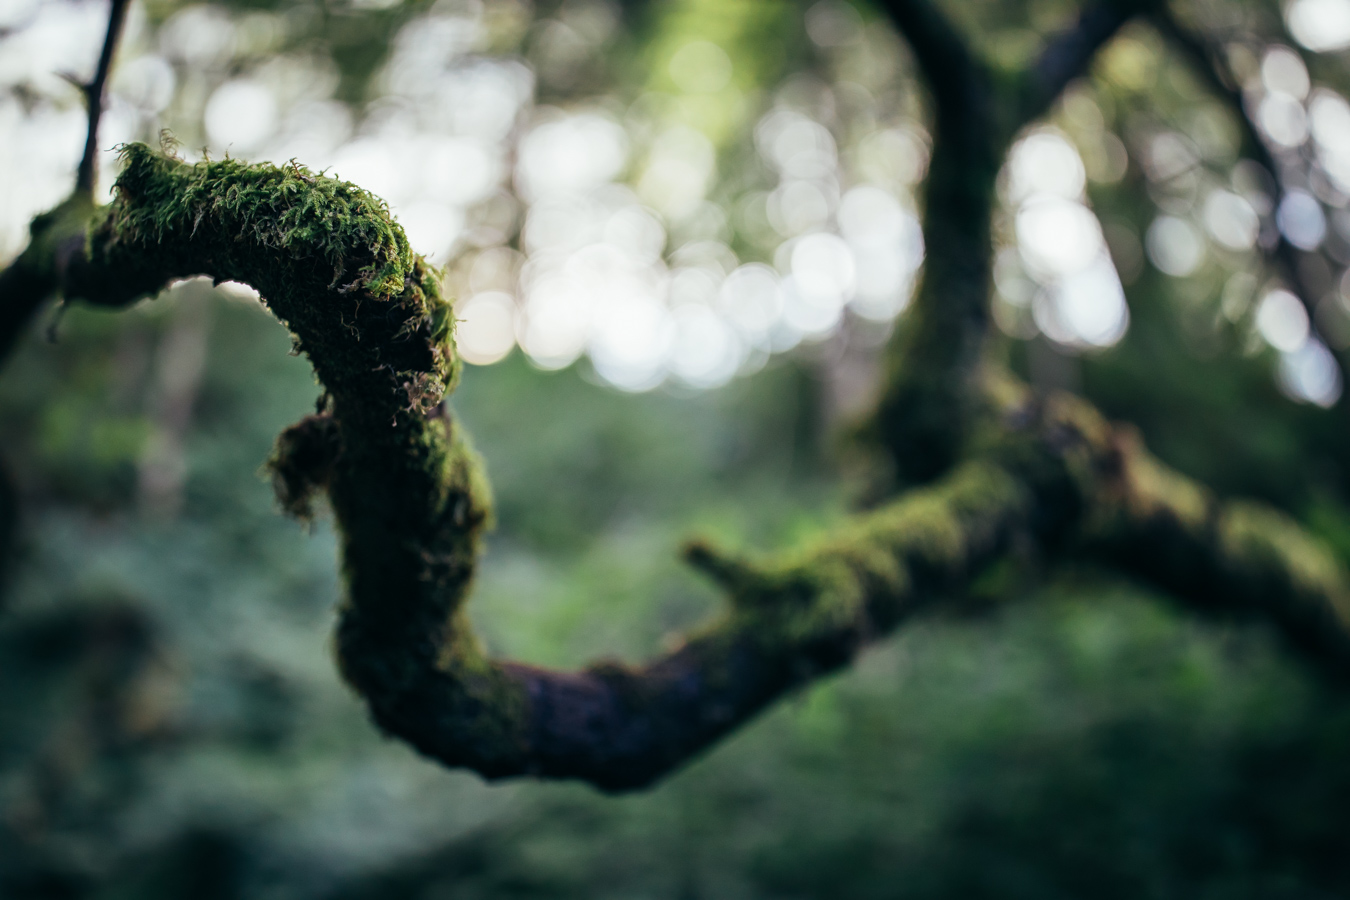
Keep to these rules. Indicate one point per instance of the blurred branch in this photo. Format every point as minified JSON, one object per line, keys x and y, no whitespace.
{"x":22,"y":293}
{"x":932,"y":394}
{"x":55,"y":239}
{"x":94,"y":93}
{"x":1210,"y":62}
{"x":951,"y":72}
{"x":9,"y":527}
{"x":1069,"y":54}
{"x":31,"y":279}
{"x":412,"y":504}
{"x":1232,"y":559}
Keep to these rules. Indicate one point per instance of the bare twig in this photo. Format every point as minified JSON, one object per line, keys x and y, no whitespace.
{"x":94,"y":93}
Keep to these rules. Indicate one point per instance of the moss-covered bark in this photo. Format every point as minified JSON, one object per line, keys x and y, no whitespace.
{"x":1003,"y":468}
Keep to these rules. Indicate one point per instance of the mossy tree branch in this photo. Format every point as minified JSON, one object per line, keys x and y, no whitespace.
{"x":1004,"y":469}
{"x":1233,"y":559}
{"x":412,"y":505}
{"x":933,"y":393}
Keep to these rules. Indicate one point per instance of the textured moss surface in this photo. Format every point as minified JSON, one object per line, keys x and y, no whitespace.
{"x":1042,"y":475}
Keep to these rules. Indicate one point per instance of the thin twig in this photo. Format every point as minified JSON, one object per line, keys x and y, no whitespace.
{"x":94,"y":93}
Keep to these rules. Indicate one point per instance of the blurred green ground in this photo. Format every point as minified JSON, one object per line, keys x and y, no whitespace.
{"x":172,"y":726}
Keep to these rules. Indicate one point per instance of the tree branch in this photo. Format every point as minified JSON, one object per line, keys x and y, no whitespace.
{"x":932,"y":393}
{"x":30,"y":280}
{"x":412,"y":504}
{"x":949,"y":69}
{"x":55,"y":238}
{"x":94,"y":93}
{"x":9,"y":528}
{"x":1214,"y":71}
{"x":1068,"y":55}
{"x":1230,"y":559}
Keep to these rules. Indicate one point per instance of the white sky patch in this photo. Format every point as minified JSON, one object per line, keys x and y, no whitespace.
{"x":1283,"y":119}
{"x":886,"y":241}
{"x":1320,"y":25}
{"x":570,"y":155}
{"x":1301,"y":220}
{"x":1282,"y":321}
{"x":1174,"y":246}
{"x":1329,"y":121}
{"x":1230,"y":220}
{"x":1080,"y":302}
{"x":1283,"y":72}
{"x":485,"y":327}
{"x":240,"y":116}
{"x":1310,"y":374}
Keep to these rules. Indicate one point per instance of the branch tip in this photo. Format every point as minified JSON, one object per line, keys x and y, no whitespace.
{"x":94,"y":93}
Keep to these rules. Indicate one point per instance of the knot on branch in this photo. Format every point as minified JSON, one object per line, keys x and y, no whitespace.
{"x":301,"y":464}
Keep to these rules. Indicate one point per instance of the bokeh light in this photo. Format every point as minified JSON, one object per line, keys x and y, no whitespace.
{"x":1063,"y":272}
{"x":1321,"y":25}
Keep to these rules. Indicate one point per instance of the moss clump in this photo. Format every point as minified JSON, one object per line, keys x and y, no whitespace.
{"x":326,"y":256}
{"x":301,"y":464}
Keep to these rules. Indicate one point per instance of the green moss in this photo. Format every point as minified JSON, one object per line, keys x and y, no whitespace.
{"x":326,"y":256}
{"x":1272,"y":547}
{"x":412,"y":503}
{"x":301,"y":463}
{"x":408,"y":492}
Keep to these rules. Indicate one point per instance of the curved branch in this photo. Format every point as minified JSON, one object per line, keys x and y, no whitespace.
{"x":412,"y":505}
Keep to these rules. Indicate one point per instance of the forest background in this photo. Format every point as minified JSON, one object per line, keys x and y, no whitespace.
{"x":678,"y":235}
